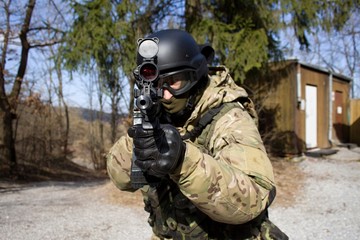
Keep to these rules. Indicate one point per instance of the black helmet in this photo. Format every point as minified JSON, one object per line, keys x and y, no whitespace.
{"x":179,"y":54}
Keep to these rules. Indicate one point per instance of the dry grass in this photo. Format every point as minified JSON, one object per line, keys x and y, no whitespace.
{"x":289,"y":179}
{"x":57,"y":170}
{"x":40,"y":145}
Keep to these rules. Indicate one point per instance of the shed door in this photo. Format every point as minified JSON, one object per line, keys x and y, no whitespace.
{"x":311,"y":116}
{"x":338,"y":116}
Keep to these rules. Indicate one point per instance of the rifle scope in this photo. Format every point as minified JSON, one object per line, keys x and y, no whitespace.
{"x":148,"y":49}
{"x":148,"y":71}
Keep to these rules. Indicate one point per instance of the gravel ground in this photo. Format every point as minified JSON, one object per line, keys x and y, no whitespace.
{"x":55,"y":210}
{"x":323,"y":194}
{"x":327,"y":206}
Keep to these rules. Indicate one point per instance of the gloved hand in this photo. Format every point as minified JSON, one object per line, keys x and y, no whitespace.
{"x":158,"y":151}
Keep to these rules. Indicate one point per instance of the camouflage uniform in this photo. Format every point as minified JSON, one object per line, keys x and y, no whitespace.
{"x":225,"y":183}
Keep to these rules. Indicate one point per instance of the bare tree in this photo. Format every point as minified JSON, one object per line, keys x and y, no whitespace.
{"x":22,"y":37}
{"x":97,"y":143}
{"x":336,"y":50}
{"x":8,"y":102}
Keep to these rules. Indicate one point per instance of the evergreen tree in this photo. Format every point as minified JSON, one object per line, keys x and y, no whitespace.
{"x":245,"y":33}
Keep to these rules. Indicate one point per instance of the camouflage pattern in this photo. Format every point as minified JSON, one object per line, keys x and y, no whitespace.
{"x":119,"y":163}
{"x":228,"y":177}
{"x":230,"y":183}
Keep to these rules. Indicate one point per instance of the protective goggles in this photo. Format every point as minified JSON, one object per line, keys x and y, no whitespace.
{"x":178,"y":82}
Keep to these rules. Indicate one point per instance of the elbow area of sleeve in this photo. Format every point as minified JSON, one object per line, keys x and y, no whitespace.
{"x":118,"y":176}
{"x":119,"y":163}
{"x":224,"y":193}
{"x":241,"y":203}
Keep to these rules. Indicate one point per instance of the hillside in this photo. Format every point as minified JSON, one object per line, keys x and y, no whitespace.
{"x":45,"y":150}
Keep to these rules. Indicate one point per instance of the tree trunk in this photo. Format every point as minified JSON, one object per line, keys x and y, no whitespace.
{"x":8,"y":104}
{"x":7,"y":145}
{"x":192,"y":14}
{"x":114,"y":112}
{"x":65,"y":136}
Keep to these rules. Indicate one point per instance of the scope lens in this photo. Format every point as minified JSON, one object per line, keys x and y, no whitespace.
{"x":148,"y":72}
{"x":148,"y":48}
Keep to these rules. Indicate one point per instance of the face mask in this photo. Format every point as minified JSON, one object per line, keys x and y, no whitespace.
{"x":174,"y":105}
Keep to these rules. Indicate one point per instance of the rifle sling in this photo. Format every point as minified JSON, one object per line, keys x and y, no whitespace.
{"x":203,"y":122}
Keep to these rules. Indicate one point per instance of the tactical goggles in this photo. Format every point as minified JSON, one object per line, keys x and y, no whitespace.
{"x":178,"y":82}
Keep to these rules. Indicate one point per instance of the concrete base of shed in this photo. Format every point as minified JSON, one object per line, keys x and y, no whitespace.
{"x":321,"y":152}
{"x":347,"y":145}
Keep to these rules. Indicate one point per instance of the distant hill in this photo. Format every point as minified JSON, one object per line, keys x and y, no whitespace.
{"x":92,"y":115}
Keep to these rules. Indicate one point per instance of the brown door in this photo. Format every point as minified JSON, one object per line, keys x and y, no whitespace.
{"x":338,"y":116}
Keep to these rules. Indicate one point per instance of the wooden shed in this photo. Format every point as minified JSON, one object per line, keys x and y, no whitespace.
{"x":301,"y":107}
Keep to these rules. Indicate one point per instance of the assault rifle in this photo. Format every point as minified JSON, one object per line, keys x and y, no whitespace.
{"x":146,"y":97}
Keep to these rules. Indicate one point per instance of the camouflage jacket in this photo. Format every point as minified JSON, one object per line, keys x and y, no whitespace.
{"x":230,"y":177}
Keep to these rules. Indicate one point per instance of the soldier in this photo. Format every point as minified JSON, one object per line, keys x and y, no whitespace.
{"x":215,"y":180}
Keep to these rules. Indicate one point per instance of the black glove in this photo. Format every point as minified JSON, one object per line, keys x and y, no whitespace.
{"x":158,"y":151}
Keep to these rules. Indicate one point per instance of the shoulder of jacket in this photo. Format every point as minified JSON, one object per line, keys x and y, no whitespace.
{"x":219,"y":75}
{"x":220,"y":78}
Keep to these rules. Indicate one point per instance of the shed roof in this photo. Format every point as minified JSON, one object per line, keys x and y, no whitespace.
{"x":322,"y":69}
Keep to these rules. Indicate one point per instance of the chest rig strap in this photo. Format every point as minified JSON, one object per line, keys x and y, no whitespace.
{"x":203,"y":122}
